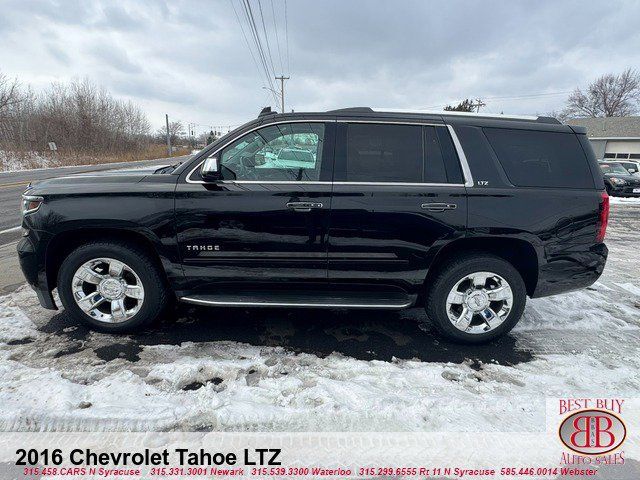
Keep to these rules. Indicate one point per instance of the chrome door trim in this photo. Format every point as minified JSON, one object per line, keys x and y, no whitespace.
{"x":198,"y":301}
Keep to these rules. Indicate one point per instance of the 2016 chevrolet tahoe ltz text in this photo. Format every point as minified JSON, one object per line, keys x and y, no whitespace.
{"x":465,"y":215}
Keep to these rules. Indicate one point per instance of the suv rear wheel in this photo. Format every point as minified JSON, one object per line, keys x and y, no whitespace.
{"x":112,"y":286}
{"x":476,"y":298}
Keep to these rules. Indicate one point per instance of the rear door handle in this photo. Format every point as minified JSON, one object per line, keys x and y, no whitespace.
{"x":438,"y":207}
{"x":303,"y":206}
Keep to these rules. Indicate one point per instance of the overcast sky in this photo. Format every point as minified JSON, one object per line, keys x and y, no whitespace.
{"x":189,"y":58}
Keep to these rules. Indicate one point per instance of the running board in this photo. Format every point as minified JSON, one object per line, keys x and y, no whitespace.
{"x":380,"y":300}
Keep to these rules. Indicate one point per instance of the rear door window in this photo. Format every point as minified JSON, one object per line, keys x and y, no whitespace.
{"x":441,"y":160}
{"x":381,"y":153}
{"x":434,"y":171}
{"x":541,"y":159}
{"x":384,"y":153}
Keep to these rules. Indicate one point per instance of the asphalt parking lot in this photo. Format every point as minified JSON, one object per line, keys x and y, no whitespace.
{"x":268,"y":369}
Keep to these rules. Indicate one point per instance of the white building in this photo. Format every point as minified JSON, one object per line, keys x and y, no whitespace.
{"x":612,"y":137}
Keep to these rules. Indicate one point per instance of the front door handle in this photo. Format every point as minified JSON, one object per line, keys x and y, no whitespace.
{"x":438,"y":207}
{"x":303,"y":206}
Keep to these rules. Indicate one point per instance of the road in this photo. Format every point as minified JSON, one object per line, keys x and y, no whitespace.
{"x":12,"y":184}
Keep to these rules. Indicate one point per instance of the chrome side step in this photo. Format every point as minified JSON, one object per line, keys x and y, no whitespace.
{"x":304,"y":300}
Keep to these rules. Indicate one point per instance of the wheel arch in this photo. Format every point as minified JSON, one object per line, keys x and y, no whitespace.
{"x":63,"y":243}
{"x":520,"y":253}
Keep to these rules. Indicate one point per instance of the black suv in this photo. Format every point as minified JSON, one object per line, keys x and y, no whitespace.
{"x":463,"y":214}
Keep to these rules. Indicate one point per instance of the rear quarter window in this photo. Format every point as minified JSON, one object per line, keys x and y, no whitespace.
{"x":541,"y":159}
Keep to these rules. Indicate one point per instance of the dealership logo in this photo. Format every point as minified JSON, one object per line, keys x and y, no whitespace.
{"x":592,"y":432}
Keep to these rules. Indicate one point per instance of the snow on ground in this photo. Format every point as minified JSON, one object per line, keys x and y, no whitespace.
{"x":14,"y":161}
{"x":286,"y":370}
{"x":624,"y":200}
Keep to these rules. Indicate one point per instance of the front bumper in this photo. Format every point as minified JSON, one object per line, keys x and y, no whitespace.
{"x":624,"y":191}
{"x":35,"y":272}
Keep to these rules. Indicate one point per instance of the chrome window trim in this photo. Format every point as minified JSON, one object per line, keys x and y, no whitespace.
{"x":402,"y":184}
{"x":319,"y":182}
{"x":270,"y":182}
{"x":466,"y":171}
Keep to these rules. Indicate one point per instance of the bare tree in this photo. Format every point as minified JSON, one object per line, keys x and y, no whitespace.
{"x":464,"y":106}
{"x":609,"y":96}
{"x":176,"y":132}
{"x":9,"y":93}
{"x":80,"y":117}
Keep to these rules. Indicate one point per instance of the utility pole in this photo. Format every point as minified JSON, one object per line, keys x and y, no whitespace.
{"x":282,"y":78}
{"x":166,"y":116}
{"x":479,"y":103}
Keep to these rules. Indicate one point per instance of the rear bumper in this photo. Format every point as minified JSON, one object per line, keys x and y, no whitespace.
{"x":572,"y":269}
{"x":34,"y":272}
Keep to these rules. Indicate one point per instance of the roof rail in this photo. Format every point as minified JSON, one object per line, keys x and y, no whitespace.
{"x":456,"y":113}
{"x":446,"y":112}
{"x":352,"y":110}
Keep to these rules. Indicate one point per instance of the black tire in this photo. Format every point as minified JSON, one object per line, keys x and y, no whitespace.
{"x":156,"y":292}
{"x":456,"y":269}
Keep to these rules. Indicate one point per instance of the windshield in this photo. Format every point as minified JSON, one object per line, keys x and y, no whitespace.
{"x":613,"y":168}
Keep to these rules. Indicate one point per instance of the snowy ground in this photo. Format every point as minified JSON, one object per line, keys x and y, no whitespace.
{"x":217,"y":369}
{"x":11,"y":161}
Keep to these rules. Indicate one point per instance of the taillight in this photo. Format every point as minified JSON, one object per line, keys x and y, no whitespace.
{"x":603,"y":218}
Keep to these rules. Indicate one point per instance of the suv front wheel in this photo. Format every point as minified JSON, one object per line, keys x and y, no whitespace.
{"x":476,"y":298}
{"x":111,"y":286}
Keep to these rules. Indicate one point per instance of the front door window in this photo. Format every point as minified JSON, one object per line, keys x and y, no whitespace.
{"x":282,"y":152}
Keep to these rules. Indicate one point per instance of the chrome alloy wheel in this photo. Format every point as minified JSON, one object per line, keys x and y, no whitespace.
{"x":479,"y":302}
{"x":107,"y":290}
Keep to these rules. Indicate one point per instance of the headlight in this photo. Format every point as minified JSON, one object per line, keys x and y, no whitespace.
{"x":30,"y":204}
{"x":618,"y":181}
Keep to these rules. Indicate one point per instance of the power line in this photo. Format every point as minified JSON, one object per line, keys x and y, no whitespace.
{"x":266,"y":39}
{"x":286,"y":33}
{"x":256,"y":38}
{"x":513,"y":97}
{"x":263,"y":59}
{"x":246,"y":40}
{"x":531,"y":95}
{"x":275,"y":28}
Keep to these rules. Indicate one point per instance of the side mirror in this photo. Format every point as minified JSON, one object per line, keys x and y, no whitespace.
{"x":632,"y":170}
{"x":211,"y":169}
